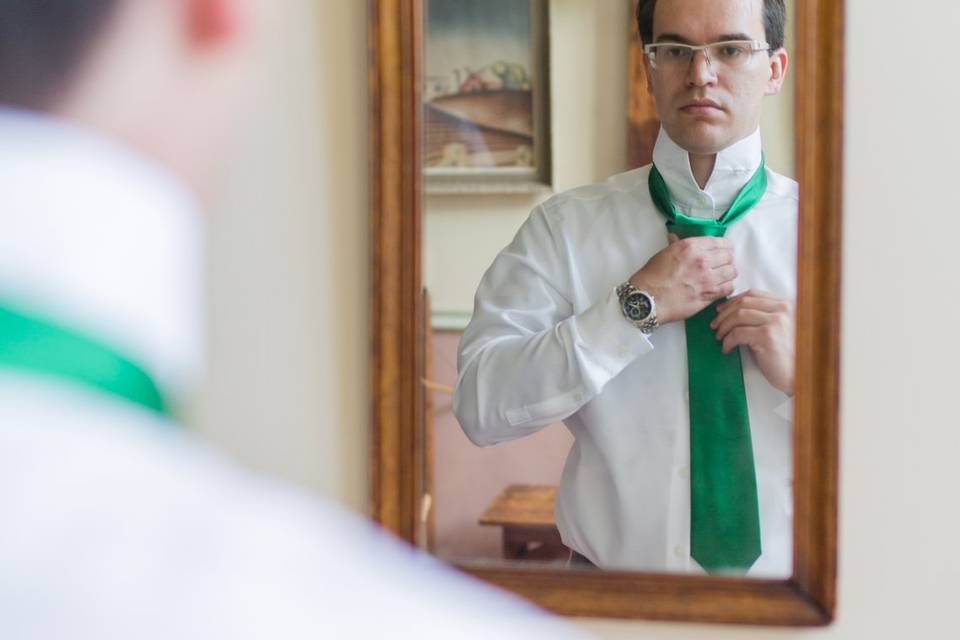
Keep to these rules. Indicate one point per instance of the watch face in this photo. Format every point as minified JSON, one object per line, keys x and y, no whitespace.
{"x":637,"y":306}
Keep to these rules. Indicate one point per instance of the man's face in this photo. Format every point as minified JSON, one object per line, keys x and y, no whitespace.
{"x":706,"y":108}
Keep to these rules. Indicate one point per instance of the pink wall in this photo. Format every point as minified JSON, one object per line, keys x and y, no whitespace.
{"x":468,"y":477}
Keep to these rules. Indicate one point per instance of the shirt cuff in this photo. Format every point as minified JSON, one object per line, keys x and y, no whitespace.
{"x":609,"y":340}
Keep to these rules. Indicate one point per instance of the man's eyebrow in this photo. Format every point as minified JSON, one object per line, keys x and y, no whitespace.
{"x":675,"y":37}
{"x":672,"y":37}
{"x":734,"y":36}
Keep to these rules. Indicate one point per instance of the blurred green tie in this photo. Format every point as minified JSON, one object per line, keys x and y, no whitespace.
{"x":39,"y":347}
{"x":724,"y":511}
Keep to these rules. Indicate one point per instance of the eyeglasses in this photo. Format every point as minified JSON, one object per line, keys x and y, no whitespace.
{"x":673,"y":57}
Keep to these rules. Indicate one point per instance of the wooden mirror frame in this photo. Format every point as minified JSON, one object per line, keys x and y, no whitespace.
{"x":808,"y":597}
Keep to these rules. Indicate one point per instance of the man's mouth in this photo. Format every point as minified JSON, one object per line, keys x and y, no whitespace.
{"x":701,"y":107}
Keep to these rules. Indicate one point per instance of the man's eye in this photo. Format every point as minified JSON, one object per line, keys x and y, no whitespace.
{"x":675,"y":52}
{"x":731,"y":51}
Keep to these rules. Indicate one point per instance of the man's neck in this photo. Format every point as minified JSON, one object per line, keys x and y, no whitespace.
{"x":702,"y":167}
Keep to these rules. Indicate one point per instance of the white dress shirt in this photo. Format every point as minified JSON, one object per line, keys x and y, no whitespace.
{"x":116,"y":523}
{"x":548,"y":342}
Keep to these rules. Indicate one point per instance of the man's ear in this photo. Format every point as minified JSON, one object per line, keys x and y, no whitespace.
{"x":779,"y":62}
{"x":212,"y":22}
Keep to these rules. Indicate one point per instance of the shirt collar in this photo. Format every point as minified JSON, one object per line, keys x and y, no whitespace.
{"x":734,"y":167}
{"x":97,"y":237}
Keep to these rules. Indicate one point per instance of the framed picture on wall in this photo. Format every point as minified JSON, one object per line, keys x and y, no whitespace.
{"x":486,"y":96}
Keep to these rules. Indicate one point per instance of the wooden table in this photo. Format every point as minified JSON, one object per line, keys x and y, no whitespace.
{"x":525,"y":511}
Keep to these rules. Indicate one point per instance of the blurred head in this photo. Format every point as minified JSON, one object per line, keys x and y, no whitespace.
{"x":169,"y":77}
{"x":703,"y":106}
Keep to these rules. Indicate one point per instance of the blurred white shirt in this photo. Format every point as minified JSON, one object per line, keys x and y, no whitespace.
{"x":548,"y":342}
{"x":117,"y":523}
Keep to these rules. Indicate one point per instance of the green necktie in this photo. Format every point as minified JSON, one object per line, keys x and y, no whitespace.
{"x":724,"y":511}
{"x":40,"y":347}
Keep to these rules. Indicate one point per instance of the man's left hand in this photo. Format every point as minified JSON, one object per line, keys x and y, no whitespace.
{"x":766,"y":324}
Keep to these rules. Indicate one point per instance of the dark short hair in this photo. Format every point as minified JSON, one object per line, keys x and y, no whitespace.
{"x":774,"y":21}
{"x":42,"y":45}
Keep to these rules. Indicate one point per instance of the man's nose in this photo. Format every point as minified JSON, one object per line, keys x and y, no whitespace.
{"x":701,"y":72}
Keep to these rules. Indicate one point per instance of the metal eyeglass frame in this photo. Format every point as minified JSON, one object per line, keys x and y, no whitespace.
{"x":650,"y":49}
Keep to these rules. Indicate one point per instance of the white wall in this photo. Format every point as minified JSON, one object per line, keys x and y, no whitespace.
{"x":289,"y":258}
{"x":288,"y":263}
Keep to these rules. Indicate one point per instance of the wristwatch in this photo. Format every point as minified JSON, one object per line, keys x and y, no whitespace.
{"x":638,"y":307}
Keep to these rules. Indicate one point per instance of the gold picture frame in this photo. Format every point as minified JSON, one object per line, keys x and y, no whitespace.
{"x":397,"y":395}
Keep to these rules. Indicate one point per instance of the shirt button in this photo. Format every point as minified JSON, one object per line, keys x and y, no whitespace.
{"x":680,"y":551}
{"x":684,"y":472}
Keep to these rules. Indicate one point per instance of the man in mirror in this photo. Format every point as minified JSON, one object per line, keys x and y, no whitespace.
{"x":653,"y":315}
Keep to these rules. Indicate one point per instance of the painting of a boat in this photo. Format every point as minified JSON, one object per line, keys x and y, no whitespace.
{"x":483,"y":129}
{"x":481,"y":102}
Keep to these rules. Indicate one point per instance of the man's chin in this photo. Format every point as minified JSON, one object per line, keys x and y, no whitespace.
{"x":702,"y":139}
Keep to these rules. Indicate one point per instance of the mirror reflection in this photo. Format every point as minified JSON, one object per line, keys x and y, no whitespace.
{"x":610,"y":227}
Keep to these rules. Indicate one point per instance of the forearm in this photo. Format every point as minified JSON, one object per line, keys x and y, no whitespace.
{"x":512,"y":383}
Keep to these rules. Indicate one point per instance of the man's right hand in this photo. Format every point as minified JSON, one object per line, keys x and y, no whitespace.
{"x":687,"y":276}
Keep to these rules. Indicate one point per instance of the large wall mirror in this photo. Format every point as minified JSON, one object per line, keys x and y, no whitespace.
{"x":525,"y":427}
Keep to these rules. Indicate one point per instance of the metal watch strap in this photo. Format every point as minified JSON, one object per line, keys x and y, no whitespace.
{"x":649,"y":324}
